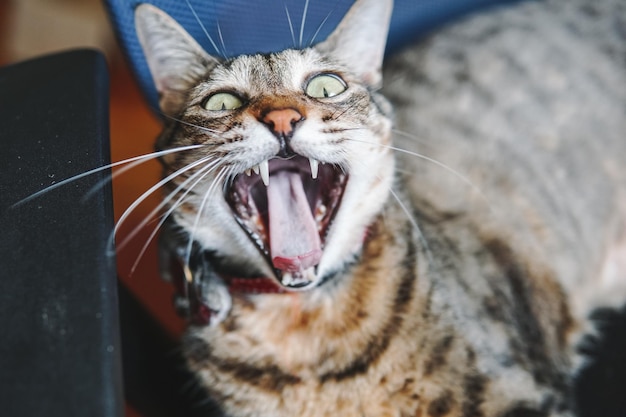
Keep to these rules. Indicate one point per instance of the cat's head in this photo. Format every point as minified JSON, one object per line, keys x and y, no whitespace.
{"x":294,"y":165}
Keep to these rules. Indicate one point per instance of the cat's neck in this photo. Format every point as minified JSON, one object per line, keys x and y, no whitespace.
{"x":351,"y":309}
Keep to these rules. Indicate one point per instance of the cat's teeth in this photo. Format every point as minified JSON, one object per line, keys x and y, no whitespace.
{"x":314,"y":167}
{"x":299,"y":279}
{"x":286,"y":279}
{"x":256,"y":169}
{"x":248,"y":172}
{"x":265,"y":172}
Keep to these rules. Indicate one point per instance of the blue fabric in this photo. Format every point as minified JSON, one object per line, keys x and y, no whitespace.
{"x":249,"y":26}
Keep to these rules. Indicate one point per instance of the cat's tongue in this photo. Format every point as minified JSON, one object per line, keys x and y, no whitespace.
{"x":294,"y":240}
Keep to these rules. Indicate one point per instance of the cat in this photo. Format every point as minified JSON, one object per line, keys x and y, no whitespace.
{"x":427,"y":246}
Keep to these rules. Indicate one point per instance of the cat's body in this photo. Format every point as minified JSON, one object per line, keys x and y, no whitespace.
{"x":460,"y":293}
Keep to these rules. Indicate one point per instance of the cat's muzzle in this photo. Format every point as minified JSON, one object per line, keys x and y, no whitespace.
{"x":286,"y":210}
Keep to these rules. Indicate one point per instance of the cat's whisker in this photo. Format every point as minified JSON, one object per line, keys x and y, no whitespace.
{"x":219,"y":33}
{"x":336,"y":115}
{"x":149,"y":192}
{"x":136,"y":160}
{"x":204,"y":29}
{"x":201,"y":174}
{"x":218,"y":179}
{"x":456,"y":173}
{"x":411,"y":136}
{"x":321,"y":25}
{"x":177,"y":120}
{"x":293,"y":36}
{"x":302,"y":23}
{"x":411,"y":218}
{"x":164,"y":203}
{"x":416,"y":226}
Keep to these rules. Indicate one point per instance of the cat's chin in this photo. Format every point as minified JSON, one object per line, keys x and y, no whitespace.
{"x":286,"y":207}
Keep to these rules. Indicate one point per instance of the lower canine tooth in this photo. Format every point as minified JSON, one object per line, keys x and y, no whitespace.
{"x":286,"y":279}
{"x":265,"y":172}
{"x":314,"y":167}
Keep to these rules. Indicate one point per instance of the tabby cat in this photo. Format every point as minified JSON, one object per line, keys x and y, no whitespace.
{"x":430,"y":248}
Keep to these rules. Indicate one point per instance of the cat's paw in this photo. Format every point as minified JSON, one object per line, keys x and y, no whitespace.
{"x":215,"y":297}
{"x":201,"y":296}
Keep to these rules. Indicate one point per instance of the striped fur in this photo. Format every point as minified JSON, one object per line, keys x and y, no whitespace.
{"x":474,"y":280}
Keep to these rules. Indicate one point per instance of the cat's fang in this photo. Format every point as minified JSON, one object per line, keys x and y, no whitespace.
{"x":265,"y":172}
{"x":314,"y":167}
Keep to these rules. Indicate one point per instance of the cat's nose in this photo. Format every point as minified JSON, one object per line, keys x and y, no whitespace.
{"x":282,"y":122}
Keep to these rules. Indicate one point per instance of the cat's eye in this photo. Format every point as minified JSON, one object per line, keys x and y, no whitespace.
{"x":325,"y":86}
{"x":222,"y":101}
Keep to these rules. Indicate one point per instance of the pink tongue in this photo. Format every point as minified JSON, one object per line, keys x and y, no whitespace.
{"x":294,"y":239}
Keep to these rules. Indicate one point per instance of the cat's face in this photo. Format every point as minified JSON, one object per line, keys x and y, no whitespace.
{"x":294,"y":165}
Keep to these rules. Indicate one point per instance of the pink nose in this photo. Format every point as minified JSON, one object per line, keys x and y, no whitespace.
{"x":282,"y":122}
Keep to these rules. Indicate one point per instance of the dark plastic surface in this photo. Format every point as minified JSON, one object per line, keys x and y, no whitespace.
{"x":59,"y":343}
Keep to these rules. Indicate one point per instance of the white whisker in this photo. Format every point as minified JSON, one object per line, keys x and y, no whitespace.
{"x":220,"y":176}
{"x":201,"y":174}
{"x":163,"y":203}
{"x":411,"y":136}
{"x":147,"y":193}
{"x":209,"y":130}
{"x":206,"y":33}
{"x":219,"y":33}
{"x":411,"y":218}
{"x":138,"y":159}
{"x":321,"y":25}
{"x":414,"y":224}
{"x":460,"y":176}
{"x":293,"y":36}
{"x":302,"y":23}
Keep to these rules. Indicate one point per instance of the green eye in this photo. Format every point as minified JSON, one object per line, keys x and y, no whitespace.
{"x":222,"y":101}
{"x":325,"y":86}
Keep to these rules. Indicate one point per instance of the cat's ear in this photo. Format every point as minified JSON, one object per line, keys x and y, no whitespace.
{"x":359,"y":40}
{"x":175,"y":59}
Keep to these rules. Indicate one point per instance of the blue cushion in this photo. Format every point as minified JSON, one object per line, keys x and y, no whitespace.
{"x":249,"y":26}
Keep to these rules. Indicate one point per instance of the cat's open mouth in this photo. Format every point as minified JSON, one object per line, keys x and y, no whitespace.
{"x":286,"y":207}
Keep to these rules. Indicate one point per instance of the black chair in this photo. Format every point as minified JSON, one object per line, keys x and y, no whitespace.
{"x":60,"y":345}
